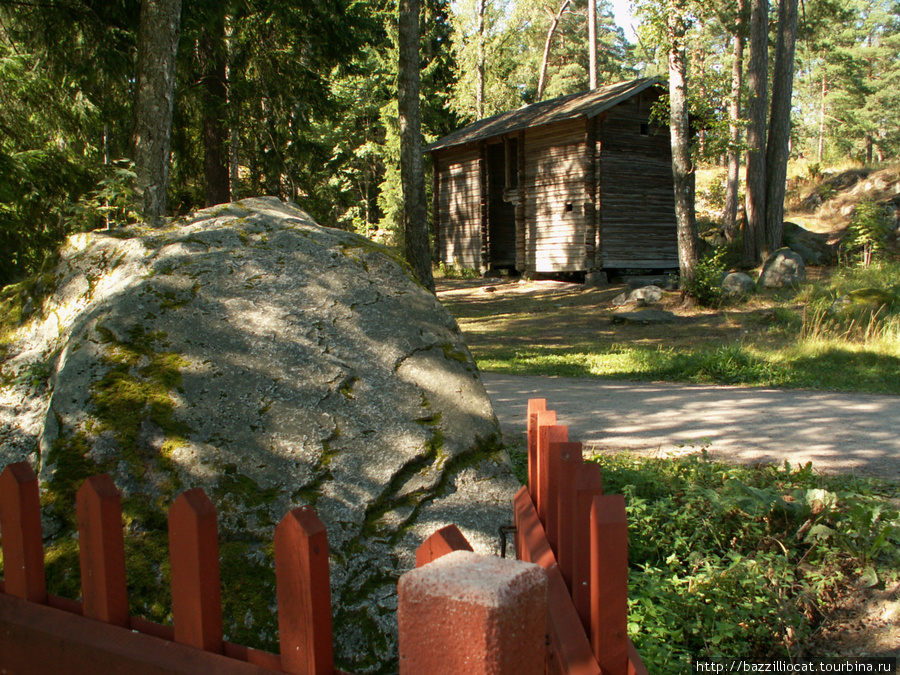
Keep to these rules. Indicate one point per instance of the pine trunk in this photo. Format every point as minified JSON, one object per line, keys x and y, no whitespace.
{"x":545,"y":61}
{"x":412,"y":168}
{"x":682,"y":168}
{"x":479,"y":61}
{"x":820,"y":153}
{"x":214,"y":57}
{"x":732,"y":189}
{"x":755,"y":203}
{"x":154,"y":101}
{"x":592,"y":43}
{"x":779,"y":146}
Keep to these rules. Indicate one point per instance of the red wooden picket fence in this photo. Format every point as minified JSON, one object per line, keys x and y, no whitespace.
{"x":564,"y":524}
{"x":42,"y":633}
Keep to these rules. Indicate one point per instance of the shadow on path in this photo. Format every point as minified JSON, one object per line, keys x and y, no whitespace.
{"x":837,"y":432}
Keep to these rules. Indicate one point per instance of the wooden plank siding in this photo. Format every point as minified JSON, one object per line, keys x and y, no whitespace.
{"x":589,"y":190}
{"x":458,"y":216}
{"x":637,"y":218}
{"x":521,"y":226}
{"x":555,"y":197}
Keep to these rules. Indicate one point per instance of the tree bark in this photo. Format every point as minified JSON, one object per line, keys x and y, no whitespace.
{"x":554,"y":22}
{"x":679,"y":129}
{"x":479,"y":60}
{"x":412,"y":169}
{"x":779,"y":144}
{"x":755,"y":202}
{"x":820,"y":152}
{"x":214,"y":57}
{"x":592,"y":42}
{"x":732,"y":188}
{"x":154,"y":101}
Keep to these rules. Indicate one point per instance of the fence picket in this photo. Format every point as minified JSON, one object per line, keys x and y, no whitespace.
{"x":566,"y":635}
{"x":20,"y":525}
{"x":304,"y":594}
{"x":196,"y":588}
{"x":544,"y":418}
{"x":535,"y":406}
{"x":101,"y":551}
{"x":570,"y":459}
{"x":548,"y":467}
{"x":609,"y":600}
{"x":588,"y":484}
{"x":444,"y":541}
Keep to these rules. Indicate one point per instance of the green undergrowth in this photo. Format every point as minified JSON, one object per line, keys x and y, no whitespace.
{"x":744,"y":562}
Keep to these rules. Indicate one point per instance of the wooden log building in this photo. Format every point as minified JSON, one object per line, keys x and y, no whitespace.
{"x":574,"y":184}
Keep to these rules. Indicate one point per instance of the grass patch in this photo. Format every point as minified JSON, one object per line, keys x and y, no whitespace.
{"x":788,"y":338}
{"x":809,"y":365}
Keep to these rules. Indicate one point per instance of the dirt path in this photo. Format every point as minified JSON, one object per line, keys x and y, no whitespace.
{"x":837,"y":432}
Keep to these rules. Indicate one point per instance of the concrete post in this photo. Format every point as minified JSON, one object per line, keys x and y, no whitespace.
{"x":479,"y":615}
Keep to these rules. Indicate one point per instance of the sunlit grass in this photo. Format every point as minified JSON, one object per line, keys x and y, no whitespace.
{"x":813,"y":363}
{"x":791,"y":338}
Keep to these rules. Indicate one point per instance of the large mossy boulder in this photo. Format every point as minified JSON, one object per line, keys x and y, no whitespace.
{"x":274,"y":363}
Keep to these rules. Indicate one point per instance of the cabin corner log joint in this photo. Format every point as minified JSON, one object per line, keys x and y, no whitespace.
{"x":573,"y":184}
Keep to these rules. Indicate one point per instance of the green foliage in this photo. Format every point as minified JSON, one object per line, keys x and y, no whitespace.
{"x":706,"y":285}
{"x":52,"y":178}
{"x":867,"y":234}
{"x":715,"y":194}
{"x":513,"y":46}
{"x":454,"y":272}
{"x":110,"y":204}
{"x":741,"y":561}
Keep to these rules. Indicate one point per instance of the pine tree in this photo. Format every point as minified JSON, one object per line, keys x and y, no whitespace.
{"x":412,"y":172}
{"x":155,"y":98}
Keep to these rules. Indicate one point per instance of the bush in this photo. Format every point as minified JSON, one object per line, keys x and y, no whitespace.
{"x":706,"y":285}
{"x":868,"y":233}
{"x":742,"y":561}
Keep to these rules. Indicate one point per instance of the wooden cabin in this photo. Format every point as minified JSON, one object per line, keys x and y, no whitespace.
{"x":574,"y":184}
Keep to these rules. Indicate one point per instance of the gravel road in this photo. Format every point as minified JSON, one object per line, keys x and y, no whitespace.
{"x":837,"y":432}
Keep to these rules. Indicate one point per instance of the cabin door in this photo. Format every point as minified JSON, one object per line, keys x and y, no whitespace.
{"x":501,"y":214}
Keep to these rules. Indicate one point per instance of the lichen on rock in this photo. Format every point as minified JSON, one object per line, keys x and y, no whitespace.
{"x":275,"y":363}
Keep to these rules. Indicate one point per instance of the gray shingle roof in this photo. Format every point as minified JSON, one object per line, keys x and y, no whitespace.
{"x":586,"y":104}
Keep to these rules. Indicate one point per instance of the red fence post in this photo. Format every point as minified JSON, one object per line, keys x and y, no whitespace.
{"x":609,"y":590}
{"x":304,"y":594}
{"x":20,"y":525}
{"x":101,"y":551}
{"x":548,"y":468}
{"x":570,"y":459}
{"x":588,"y":484}
{"x":478,"y":615}
{"x":531,"y":540}
{"x":543,"y":418}
{"x":444,"y":541}
{"x":196,"y":588}
{"x":535,"y":406}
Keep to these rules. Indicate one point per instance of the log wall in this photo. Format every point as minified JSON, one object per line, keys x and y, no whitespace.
{"x":555,"y":198}
{"x":591,"y":193}
{"x":458,"y":213}
{"x":637,"y":218}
